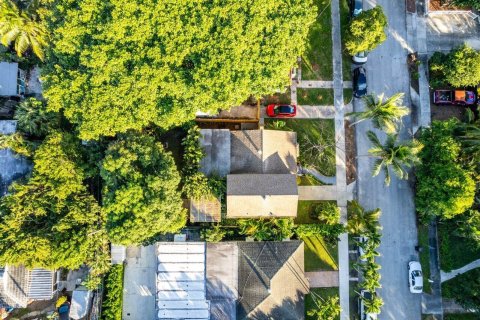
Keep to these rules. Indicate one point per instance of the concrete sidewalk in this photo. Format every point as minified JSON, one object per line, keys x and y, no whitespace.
{"x":445,"y":276}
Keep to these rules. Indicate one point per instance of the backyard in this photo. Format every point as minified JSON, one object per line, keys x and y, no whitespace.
{"x":316,"y":139}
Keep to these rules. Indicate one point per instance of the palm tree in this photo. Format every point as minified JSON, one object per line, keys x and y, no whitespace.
{"x":393,"y":155}
{"x":360,"y":221}
{"x":23,"y":28}
{"x":33,"y":117}
{"x":385,"y":114}
{"x":470,"y":138}
{"x":373,"y":305}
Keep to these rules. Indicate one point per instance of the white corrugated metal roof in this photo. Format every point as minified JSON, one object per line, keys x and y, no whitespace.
{"x":8,"y":78}
{"x":181,"y":288}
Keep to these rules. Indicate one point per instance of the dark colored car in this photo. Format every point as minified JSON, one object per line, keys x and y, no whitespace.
{"x":281,"y":110}
{"x":359,"y":82}
{"x":356,"y":7}
{"x":458,"y":97}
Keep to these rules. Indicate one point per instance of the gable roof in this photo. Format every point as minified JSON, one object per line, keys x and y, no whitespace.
{"x":262,"y":195}
{"x":263,"y":151}
{"x":270,"y":273}
{"x":8,"y":78}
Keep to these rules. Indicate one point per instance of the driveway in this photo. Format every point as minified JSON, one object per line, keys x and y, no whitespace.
{"x":387,"y":72}
{"x":139,"y":287}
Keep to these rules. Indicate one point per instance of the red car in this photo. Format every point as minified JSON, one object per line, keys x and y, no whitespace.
{"x":281,"y":110}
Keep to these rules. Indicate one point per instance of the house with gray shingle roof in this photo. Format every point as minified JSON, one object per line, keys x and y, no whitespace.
{"x":260,"y":166}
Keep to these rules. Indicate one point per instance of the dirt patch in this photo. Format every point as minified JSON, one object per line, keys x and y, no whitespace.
{"x":411,"y":6}
{"x":447,"y":112}
{"x":351,"y":151}
{"x":444,"y":5}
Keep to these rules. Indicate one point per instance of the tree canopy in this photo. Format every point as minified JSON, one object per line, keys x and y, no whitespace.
{"x":366,"y":31}
{"x":459,"y":68}
{"x":51,"y":221}
{"x":444,"y":187}
{"x":141,"y":197}
{"x":115,"y":66}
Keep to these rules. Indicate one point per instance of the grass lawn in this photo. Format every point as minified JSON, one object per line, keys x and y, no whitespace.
{"x":344,"y":22}
{"x":461,"y":316}
{"x":305,"y":208}
{"x":455,"y":252}
{"x":317,"y":60}
{"x":315,"y":97}
{"x":424,"y":256}
{"x":278,"y":98}
{"x":347,"y":95}
{"x":308,"y":180}
{"x":323,"y":293}
{"x":316,"y":139}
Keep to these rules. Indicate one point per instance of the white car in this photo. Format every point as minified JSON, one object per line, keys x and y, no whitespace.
{"x":360,"y":58}
{"x":415,"y":277}
{"x":361,"y":306}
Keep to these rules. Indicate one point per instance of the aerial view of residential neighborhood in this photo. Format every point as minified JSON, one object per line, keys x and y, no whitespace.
{"x":240,"y":159}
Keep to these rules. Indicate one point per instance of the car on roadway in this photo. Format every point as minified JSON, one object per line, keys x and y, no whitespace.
{"x":365,"y":295}
{"x":281,"y":110}
{"x":356,"y":8}
{"x":360,"y":58}
{"x":415,"y":277}
{"x":359,"y":82}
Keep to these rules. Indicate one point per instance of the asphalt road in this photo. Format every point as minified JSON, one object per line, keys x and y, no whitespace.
{"x":387,"y":72}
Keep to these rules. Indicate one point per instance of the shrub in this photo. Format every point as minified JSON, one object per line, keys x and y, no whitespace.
{"x":328,"y":213}
{"x":266,"y":229}
{"x":213,"y":234}
{"x":329,"y":232}
{"x":113,"y":294}
{"x":366,"y":31}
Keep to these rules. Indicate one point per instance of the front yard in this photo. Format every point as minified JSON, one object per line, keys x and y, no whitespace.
{"x":317,"y":59}
{"x":317,"y":141}
{"x":323,"y":293}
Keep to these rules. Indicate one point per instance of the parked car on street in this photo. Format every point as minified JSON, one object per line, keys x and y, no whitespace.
{"x":457,"y":97}
{"x":359,"y":82}
{"x":415,"y":277}
{"x":360,"y":58}
{"x":364,"y":294}
{"x":281,"y":110}
{"x":356,"y":8}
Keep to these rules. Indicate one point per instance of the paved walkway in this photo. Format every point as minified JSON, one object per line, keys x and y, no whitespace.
{"x":319,"y":176}
{"x":432,"y":303}
{"x":309,"y":112}
{"x":322,"y":279}
{"x":445,"y":276}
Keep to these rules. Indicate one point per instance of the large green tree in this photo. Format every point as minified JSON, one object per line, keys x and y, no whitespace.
{"x":117,"y":65}
{"x":51,"y":221}
{"x":444,"y":187}
{"x":20,"y":26}
{"x":141,"y":197}
{"x":366,"y":31}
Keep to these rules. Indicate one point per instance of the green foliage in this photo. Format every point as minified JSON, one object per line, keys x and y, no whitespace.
{"x":386,"y":114}
{"x":115,"y":66}
{"x":465,"y":289}
{"x":51,"y":221}
{"x":18,"y":144}
{"x":327,"y":309}
{"x":366,"y":31}
{"x":328,"y":213}
{"x":329,"y":232}
{"x":214,"y":234}
{"x":34,"y":119}
{"x":267,"y":229}
{"x":22,"y":28}
{"x":61,"y":300}
{"x":393,"y":156}
{"x":140,"y":194}
{"x":362,"y":222}
{"x":373,"y":305}
{"x":444,"y":188}
{"x":466,"y":3}
{"x":113,"y":294}
{"x":459,"y":68}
